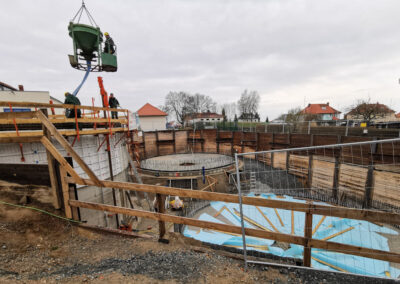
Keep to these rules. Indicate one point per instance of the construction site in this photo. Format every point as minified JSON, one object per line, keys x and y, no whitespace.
{"x":87,"y":196}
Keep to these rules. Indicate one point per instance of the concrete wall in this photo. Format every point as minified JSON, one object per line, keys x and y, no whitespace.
{"x":151,"y":123}
{"x":27,"y":96}
{"x":104,"y":196}
{"x":35,"y":153}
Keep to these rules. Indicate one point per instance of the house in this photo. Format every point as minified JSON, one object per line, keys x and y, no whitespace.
{"x":152,"y":118}
{"x":372,"y":112}
{"x":249,"y":117}
{"x":320,"y":112}
{"x":11,"y":94}
{"x":205,"y":117}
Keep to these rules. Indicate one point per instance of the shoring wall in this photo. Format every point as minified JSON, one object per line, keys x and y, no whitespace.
{"x":352,"y":177}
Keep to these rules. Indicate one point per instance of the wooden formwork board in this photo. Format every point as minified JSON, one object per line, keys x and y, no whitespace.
{"x":322,"y":174}
{"x":352,"y":180}
{"x":387,"y":187}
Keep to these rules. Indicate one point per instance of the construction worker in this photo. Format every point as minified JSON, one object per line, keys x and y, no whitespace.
{"x":113,"y":103}
{"x":109,"y":46}
{"x":72,"y":100}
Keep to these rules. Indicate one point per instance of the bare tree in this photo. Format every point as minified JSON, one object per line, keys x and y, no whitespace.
{"x":176,"y":104}
{"x":181,"y":104}
{"x":201,"y":103}
{"x":248,"y":103}
{"x":230,"y":110}
{"x":293,"y":115}
{"x":367,"y":111}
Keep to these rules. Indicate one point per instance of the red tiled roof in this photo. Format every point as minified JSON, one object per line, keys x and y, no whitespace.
{"x":150,"y":110}
{"x":318,"y":109}
{"x":398,"y":115}
{"x":204,"y":115}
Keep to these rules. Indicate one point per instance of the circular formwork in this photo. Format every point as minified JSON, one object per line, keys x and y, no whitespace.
{"x":191,"y":164}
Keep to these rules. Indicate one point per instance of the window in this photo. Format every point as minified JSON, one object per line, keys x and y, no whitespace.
{"x":212,"y":119}
{"x":324,"y":108}
{"x":202,"y":119}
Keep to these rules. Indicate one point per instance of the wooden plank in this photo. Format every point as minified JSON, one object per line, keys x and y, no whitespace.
{"x":313,"y":243}
{"x":52,"y":169}
{"x":54,"y":152}
{"x":292,"y":222}
{"x":337,"y":234}
{"x":51,"y":128}
{"x":35,"y":135}
{"x":308,"y":236}
{"x":17,"y":115}
{"x":335,"y":211}
{"x":267,"y":219}
{"x":60,"y":120}
{"x":318,"y":225}
{"x":44,"y":105}
{"x":65,"y":191}
{"x":17,"y":139}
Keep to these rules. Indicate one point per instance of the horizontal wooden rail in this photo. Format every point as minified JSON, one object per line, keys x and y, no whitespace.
{"x":44,"y":105}
{"x":331,"y":246}
{"x":39,"y":133}
{"x":22,"y":139}
{"x":12,"y":115}
{"x":325,"y":210}
{"x":61,"y":120}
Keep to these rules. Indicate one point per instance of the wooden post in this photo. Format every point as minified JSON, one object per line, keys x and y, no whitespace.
{"x":369,"y":187}
{"x":173,"y":137}
{"x":241,"y":142}
{"x":217,"y":140}
{"x":310,"y":170}
{"x":308,"y":236}
{"x":65,"y":191}
{"x":335,"y":186}
{"x":202,"y":141}
{"x":52,"y":170}
{"x":257,"y":139}
{"x":144,"y":145}
{"x":232,"y":142}
{"x":161,"y":209}
{"x":158,"y":146}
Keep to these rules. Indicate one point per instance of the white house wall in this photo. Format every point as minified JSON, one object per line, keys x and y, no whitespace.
{"x":152,"y":123}
{"x":28,"y":96}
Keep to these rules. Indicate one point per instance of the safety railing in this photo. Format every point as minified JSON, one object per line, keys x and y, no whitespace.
{"x":360,"y":175}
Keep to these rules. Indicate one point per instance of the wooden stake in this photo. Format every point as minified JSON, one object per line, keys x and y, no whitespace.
{"x":161,"y":209}
{"x":65,"y":191}
{"x":308,"y":235}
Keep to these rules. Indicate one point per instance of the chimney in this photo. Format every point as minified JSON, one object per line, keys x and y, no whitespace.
{"x":309,"y":105}
{"x":327,"y":103}
{"x":21,"y":87}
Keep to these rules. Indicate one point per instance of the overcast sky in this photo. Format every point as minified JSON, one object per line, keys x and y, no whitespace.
{"x":292,"y":52}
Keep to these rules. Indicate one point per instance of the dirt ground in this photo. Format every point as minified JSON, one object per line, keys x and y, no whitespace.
{"x":39,"y":248}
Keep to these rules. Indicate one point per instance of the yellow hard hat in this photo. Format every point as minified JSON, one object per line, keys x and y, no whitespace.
{"x":66,"y":94}
{"x":106,"y":34}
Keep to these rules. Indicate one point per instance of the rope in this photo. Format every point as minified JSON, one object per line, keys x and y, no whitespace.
{"x":40,"y":210}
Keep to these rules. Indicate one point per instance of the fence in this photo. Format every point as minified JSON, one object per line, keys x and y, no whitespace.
{"x":355,"y":175}
{"x":213,"y":226}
